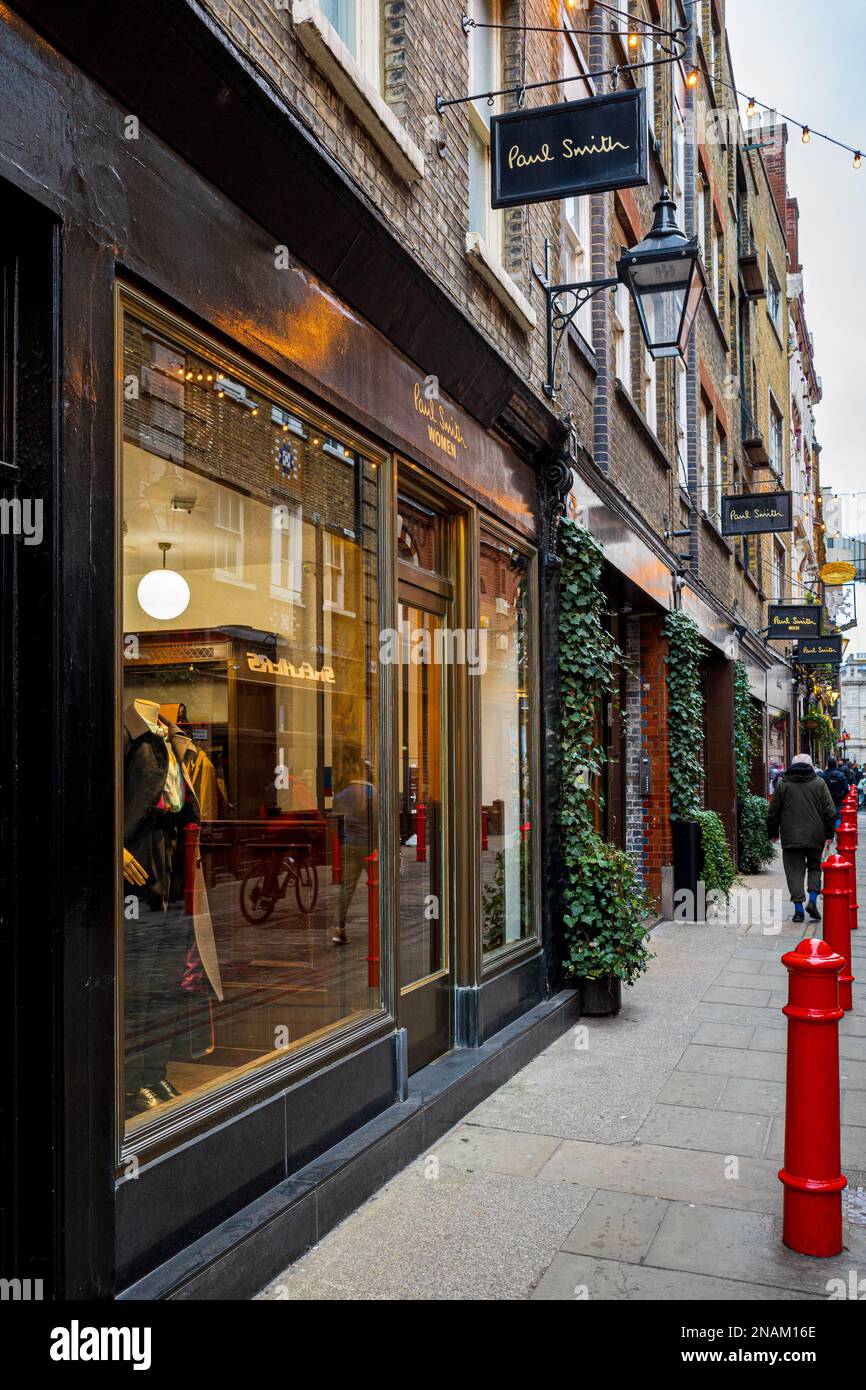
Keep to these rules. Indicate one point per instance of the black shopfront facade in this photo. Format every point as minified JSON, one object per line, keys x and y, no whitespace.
{"x":310,"y":598}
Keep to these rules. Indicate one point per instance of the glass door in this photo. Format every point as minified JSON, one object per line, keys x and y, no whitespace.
{"x":423,"y":953}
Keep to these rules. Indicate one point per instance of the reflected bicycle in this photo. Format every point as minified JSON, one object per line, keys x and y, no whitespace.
{"x":267,"y":880}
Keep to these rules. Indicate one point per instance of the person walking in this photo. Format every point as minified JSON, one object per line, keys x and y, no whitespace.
{"x":803,"y":815}
{"x":837,"y":785}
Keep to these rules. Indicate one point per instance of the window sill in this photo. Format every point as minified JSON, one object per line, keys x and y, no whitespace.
{"x":321,"y":42}
{"x":496,"y":277}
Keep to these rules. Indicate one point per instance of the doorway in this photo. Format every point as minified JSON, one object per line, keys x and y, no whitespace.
{"x":424,"y":781}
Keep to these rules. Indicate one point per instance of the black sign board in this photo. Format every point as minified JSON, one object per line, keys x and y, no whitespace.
{"x":820,"y":651}
{"x":568,"y":150}
{"x":752,"y":513}
{"x":787,"y":620}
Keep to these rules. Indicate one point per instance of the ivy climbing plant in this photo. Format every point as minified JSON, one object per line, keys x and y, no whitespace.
{"x":756,"y":847}
{"x":746,"y":726}
{"x":686,"y":651}
{"x":606,"y":903}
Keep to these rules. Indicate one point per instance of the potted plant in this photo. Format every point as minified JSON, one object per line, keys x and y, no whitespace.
{"x":605,"y":927}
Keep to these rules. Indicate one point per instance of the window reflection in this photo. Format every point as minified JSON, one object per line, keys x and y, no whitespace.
{"x":506,"y":776}
{"x":250,"y":915}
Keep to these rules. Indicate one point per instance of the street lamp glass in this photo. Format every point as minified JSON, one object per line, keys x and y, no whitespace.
{"x":666,"y":280}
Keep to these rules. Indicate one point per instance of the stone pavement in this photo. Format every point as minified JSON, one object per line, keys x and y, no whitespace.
{"x":636,"y":1158}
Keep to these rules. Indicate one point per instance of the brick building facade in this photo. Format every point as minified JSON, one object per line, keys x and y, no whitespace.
{"x":284,"y":288}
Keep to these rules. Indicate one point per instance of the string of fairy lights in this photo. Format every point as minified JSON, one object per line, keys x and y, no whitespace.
{"x":638,"y":31}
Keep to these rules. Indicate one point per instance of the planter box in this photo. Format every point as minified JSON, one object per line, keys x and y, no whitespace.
{"x":600,"y":998}
{"x":688,"y":863}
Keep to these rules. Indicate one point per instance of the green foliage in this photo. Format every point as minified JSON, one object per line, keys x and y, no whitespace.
{"x":606,"y":905}
{"x":686,"y":649}
{"x":756,"y":847}
{"x":493,"y":907}
{"x":719,"y":873}
{"x":747,"y":728}
{"x":606,"y":910}
{"x":820,"y":728}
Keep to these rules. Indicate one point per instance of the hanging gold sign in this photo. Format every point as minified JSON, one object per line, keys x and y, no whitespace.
{"x":838,"y":572}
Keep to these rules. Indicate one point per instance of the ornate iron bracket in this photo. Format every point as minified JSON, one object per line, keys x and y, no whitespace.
{"x":554,"y":486}
{"x":563,"y":303}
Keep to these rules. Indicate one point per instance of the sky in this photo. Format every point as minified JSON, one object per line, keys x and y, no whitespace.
{"x":809,"y":61}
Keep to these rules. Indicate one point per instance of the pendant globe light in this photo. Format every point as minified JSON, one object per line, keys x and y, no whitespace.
{"x":163,"y":593}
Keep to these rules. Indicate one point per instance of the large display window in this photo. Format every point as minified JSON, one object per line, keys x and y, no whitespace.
{"x":249,"y":725}
{"x":508,"y":760}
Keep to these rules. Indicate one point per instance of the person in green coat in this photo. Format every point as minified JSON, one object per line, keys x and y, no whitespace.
{"x":803,"y":815}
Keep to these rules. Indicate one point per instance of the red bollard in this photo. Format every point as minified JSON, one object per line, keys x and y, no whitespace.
{"x":837,"y":920}
{"x":421,"y":835}
{"x":812,"y":1220}
{"x":846,"y":845}
{"x":484,"y":827}
{"x":372,"y":862}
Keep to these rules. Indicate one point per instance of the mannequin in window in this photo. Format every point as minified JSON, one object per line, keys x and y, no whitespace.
{"x":159,"y":802}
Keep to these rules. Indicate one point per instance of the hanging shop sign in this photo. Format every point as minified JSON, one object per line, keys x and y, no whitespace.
{"x":787,"y":620}
{"x":568,"y":150}
{"x":753,"y":513}
{"x":821,"y":651}
{"x":838,"y":572}
{"x":840,"y":600}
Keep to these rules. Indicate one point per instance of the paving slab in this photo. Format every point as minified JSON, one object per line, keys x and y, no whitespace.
{"x":741,"y":1245}
{"x":733,"y":1061}
{"x":690,"y":1088}
{"x":738,"y":1014}
{"x":473,"y":1146}
{"x":724,"y":1034}
{"x":744,"y":1096}
{"x":617,"y":1226}
{"x":580,"y":1277}
{"x":710,"y":1131}
{"x":719,"y":994}
{"x":654,"y":1170}
{"x":854,"y":1107}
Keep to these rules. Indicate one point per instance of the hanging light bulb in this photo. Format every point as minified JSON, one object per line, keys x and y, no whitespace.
{"x":858,"y":159}
{"x":807,"y":135}
{"x":633,"y":39}
{"x":163,"y":594}
{"x":692,"y":77}
{"x":752,"y":107}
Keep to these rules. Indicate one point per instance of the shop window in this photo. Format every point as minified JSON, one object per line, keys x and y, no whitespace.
{"x":681,"y":409}
{"x":484,"y":76}
{"x":704,"y":428}
{"x":777,"y":438}
{"x":357,"y":23}
{"x":576,"y":210}
{"x":774,"y":296}
{"x":250,"y":911}
{"x":507,"y":747}
{"x":229,"y":536}
{"x":622,"y":336}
